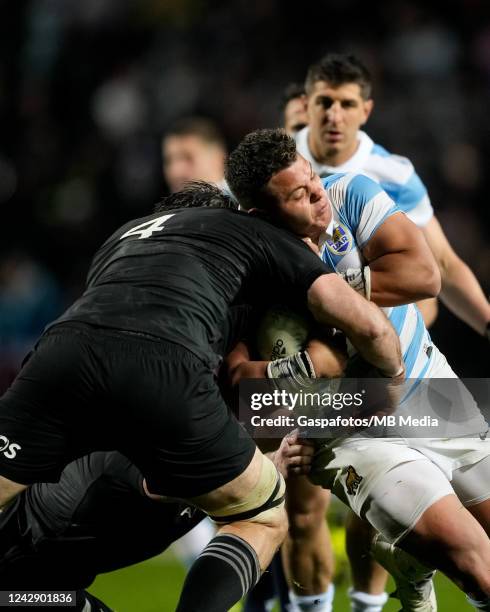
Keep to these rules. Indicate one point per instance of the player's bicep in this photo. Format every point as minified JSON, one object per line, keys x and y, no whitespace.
{"x":397,"y":234}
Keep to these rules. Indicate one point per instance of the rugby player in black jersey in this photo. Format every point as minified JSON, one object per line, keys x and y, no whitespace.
{"x":130,"y":366}
{"x":96,"y":519}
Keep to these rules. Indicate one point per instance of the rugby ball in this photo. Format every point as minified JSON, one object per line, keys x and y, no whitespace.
{"x":281,"y":332}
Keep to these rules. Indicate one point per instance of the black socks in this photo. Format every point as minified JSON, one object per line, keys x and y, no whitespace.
{"x":222,"y":574}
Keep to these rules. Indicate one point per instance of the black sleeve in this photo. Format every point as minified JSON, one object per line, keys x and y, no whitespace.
{"x":240,"y":318}
{"x":291,"y":262}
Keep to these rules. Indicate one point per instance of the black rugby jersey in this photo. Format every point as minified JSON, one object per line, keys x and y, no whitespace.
{"x":99,"y":505}
{"x":174,"y":275}
{"x":95,"y":519}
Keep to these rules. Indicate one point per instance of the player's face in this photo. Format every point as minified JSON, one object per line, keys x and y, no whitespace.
{"x":189,"y":158}
{"x":335,"y":115}
{"x":295,"y":117}
{"x":301,"y":201}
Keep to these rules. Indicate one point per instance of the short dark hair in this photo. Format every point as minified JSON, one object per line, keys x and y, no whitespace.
{"x":338,"y":69}
{"x":203,"y":128}
{"x":197,"y":194}
{"x":259,"y":156}
{"x":291,"y":92}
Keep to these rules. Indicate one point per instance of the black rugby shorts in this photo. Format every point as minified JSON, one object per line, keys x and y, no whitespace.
{"x":85,"y":389}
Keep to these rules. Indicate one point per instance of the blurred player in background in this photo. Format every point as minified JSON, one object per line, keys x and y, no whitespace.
{"x":193,"y":149}
{"x":293,"y":108}
{"x":339,"y":103}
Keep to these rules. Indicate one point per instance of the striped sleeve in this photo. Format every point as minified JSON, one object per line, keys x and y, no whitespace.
{"x":366,"y":207}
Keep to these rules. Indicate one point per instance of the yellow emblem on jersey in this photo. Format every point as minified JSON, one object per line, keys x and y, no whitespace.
{"x":352,"y":481}
{"x":341,"y":241}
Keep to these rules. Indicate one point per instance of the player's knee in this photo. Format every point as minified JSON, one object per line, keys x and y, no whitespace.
{"x":279,"y":525}
{"x":303,"y":525}
{"x":472,"y":567}
{"x":264,"y":503}
{"x":469,"y":559}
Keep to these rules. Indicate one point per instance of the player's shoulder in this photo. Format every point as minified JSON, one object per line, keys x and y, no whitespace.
{"x":182,"y":218}
{"x":385,"y":166}
{"x":352,"y":184}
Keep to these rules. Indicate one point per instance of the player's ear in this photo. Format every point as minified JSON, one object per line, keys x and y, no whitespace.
{"x":304,"y":101}
{"x":368,"y":107}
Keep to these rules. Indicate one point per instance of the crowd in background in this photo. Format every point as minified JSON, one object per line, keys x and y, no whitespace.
{"x":88,"y":88}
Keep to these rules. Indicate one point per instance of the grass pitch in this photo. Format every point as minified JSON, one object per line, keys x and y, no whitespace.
{"x":154,"y":586}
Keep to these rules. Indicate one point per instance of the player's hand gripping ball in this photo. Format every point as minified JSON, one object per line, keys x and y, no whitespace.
{"x":281,"y":332}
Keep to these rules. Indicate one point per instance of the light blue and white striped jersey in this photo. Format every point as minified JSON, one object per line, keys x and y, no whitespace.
{"x":394,"y":173}
{"x":359,"y":207}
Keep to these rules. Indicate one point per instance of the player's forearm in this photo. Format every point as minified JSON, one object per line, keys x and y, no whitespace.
{"x":403,"y":278}
{"x":248,"y":369}
{"x":334,"y":303}
{"x":382,"y":349}
{"x":462,"y":294}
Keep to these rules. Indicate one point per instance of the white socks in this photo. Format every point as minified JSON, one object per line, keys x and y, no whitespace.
{"x":364,"y":602}
{"x":479,"y":605}
{"x":312,"y":603}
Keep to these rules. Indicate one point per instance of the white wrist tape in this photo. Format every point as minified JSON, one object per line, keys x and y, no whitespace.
{"x":400,"y":370}
{"x":359,"y":279}
{"x":297,"y":368}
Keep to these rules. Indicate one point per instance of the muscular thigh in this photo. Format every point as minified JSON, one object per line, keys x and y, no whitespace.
{"x":382,"y":481}
{"x":472,"y":486}
{"x":303,"y":497}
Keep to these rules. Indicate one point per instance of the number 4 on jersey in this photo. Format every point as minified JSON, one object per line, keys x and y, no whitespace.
{"x":146,"y":229}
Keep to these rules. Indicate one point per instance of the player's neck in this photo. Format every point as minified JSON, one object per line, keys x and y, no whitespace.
{"x":332,"y":157}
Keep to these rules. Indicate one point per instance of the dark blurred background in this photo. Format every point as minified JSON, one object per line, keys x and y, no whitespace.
{"x":87,"y":88}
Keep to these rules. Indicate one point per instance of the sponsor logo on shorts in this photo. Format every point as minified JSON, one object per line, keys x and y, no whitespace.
{"x":9,"y":449}
{"x":352,"y":481}
{"x":341,"y":241}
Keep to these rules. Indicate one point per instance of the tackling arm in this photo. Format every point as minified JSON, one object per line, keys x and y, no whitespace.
{"x":460,"y":292}
{"x":333,"y":303}
{"x":328,"y":361}
{"x":238,"y":365}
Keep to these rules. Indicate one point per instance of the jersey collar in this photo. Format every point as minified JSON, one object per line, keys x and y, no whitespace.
{"x":327,"y":233}
{"x":354,"y":164}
